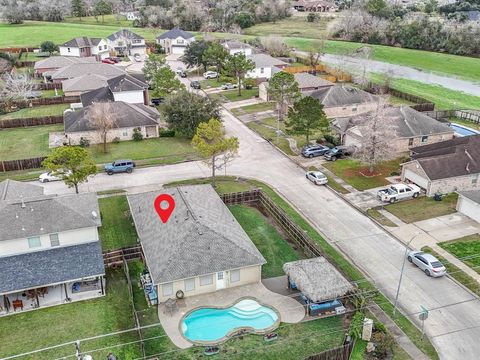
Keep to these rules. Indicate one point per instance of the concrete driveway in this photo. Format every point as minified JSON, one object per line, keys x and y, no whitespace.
{"x":454,"y":321}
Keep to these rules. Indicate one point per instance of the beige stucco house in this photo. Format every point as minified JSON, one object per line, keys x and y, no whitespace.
{"x":200,"y":249}
{"x":175,"y":41}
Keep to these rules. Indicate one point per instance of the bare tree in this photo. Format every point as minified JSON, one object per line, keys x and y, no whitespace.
{"x":102,"y":117}
{"x":274,"y":45}
{"x":16,"y":86}
{"x":377,"y":130}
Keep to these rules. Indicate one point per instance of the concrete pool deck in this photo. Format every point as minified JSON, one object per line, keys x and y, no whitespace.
{"x":290,"y":310}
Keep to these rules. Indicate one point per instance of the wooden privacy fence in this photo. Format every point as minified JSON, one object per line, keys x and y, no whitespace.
{"x":26,"y":63}
{"x":339,"y":353}
{"x":118,"y":257}
{"x":469,"y":115}
{"x":48,"y":86}
{"x":45,"y":120}
{"x":23,"y":164}
{"x":306,"y":68}
{"x":48,"y":101}
{"x":421,"y":104}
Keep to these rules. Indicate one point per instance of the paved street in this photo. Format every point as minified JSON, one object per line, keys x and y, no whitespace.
{"x":454,"y":321}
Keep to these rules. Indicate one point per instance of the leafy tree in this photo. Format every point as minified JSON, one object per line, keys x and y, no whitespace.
{"x":73,"y":163}
{"x":211,"y":143}
{"x":215,"y":56}
{"x":153,"y":64}
{"x":376,"y":7}
{"x":14,"y":11}
{"x":238,"y":66}
{"x":78,"y":8}
{"x":244,"y":20}
{"x":102,"y":8}
{"x":284,"y":90}
{"x":305,"y":116}
{"x":49,"y":47}
{"x":165,"y":83}
{"x":194,"y":52}
{"x":184,"y":111}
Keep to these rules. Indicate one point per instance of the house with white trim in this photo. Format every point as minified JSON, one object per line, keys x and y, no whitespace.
{"x":175,"y":41}
{"x":126,"y":42}
{"x":85,"y":47}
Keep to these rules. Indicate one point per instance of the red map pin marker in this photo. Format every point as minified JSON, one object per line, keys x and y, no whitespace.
{"x":164,"y":212}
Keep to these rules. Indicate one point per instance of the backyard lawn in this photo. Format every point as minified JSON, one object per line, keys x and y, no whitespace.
{"x":51,"y":93}
{"x":423,"y":208}
{"x":350,"y":171}
{"x":467,"y":249}
{"x":117,"y":230}
{"x":268,"y":240}
{"x":36,"y":111}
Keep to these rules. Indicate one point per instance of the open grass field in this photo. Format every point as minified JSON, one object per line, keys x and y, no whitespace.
{"x":37,"y":111}
{"x":117,"y":230}
{"x":423,"y":208}
{"x":466,"y":249}
{"x":295,"y":26}
{"x":268,"y":240}
{"x":108,"y":20}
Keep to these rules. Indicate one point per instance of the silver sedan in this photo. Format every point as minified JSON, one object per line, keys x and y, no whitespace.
{"x":317,"y":177}
{"x":427,"y":262}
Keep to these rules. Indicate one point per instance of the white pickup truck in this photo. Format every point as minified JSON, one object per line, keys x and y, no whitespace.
{"x":398,"y":192}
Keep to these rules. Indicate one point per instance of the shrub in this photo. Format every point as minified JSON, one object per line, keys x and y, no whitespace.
{"x":167,"y":133}
{"x":116,"y":140}
{"x":395,"y":173}
{"x":356,"y":326}
{"x":384,"y":343}
{"x":312,"y":17}
{"x":332,"y":139}
{"x":137,"y":135}
{"x":84,"y":142}
{"x":249,"y":83}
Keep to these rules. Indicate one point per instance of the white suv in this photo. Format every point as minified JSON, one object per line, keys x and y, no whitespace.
{"x":210,"y":75}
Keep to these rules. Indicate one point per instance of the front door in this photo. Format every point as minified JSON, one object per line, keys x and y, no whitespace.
{"x":220,"y":280}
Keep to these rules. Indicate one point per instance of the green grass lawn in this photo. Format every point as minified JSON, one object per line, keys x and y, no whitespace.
{"x":332,"y":183}
{"x":349,"y":170}
{"x":51,"y":93}
{"x":466,"y":248}
{"x":36,"y":111}
{"x":294,"y":26}
{"x":270,"y":135}
{"x":24,"y":143}
{"x":273,"y":246}
{"x":117,"y":230}
{"x":108,"y":20}
{"x":374,"y":213}
{"x":250,"y":109}
{"x":423,"y":208}
{"x":210,"y":83}
{"x":232,"y":95}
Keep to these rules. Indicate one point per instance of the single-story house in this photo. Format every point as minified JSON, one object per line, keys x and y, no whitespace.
{"x":121,"y":88}
{"x":175,"y":41}
{"x":410,"y":127}
{"x":53,"y":63}
{"x":200,"y":249}
{"x":128,"y":117}
{"x":234,"y":46}
{"x":468,"y":204}
{"x":83,"y":69}
{"x":306,"y":82}
{"x":344,"y":100}
{"x":131,"y":15}
{"x":315,"y":5}
{"x":265,"y":66}
{"x":85,"y":47}
{"x":50,"y":253}
{"x":126,"y":42}
{"x":445,"y":166}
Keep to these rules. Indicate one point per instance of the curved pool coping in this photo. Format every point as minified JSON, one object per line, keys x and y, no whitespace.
{"x":231,"y":333}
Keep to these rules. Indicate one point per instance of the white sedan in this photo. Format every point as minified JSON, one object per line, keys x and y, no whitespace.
{"x":210,"y":75}
{"x":317,"y":177}
{"x":51,"y":176}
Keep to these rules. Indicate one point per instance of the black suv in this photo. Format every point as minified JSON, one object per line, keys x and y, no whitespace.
{"x":195,"y":84}
{"x":336,"y":153}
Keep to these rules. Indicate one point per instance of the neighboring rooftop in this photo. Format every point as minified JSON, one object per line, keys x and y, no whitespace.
{"x":126,"y":116}
{"x":84,"y":83}
{"x":473,"y":195}
{"x":175,"y":33}
{"x":201,"y":237}
{"x":341,"y":95}
{"x":82,"y":42}
{"x":317,"y":279}
{"x":81,"y":69}
{"x":306,"y":80}
{"x":265,"y":60}
{"x":56,"y":62}
{"x":235,"y":44}
{"x":14,"y":190}
{"x":124,"y":33}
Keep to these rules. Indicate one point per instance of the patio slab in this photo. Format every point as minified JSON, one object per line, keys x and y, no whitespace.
{"x":290,"y":310}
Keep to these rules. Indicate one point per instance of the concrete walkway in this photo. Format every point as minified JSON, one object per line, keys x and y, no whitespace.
{"x":391,"y":217}
{"x":338,"y":180}
{"x":290,"y":310}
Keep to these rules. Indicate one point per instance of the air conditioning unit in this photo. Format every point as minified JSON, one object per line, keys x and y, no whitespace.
{"x":340,"y":310}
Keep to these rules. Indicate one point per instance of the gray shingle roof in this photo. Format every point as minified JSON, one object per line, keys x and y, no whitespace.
{"x":13,"y":190}
{"x":81,"y":69}
{"x":127,"y":116}
{"x":81,"y":42}
{"x":124,"y":33}
{"x":341,"y":95}
{"x":47,"y":214}
{"x":53,"y":266}
{"x":265,"y":60}
{"x":306,"y":80}
{"x":235,"y":44}
{"x":99,"y":95}
{"x":175,"y":33}
{"x":56,"y":62}
{"x":473,"y":195}
{"x":87,"y":82}
{"x":126,"y":83}
{"x":201,"y":236}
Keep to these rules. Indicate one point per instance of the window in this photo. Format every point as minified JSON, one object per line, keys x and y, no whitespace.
{"x":190,"y":284}
{"x":410,"y":142}
{"x":261,"y":70}
{"x":220,"y":275}
{"x":136,"y":41}
{"x":206,"y":280}
{"x":167,"y":289}
{"x":104,"y":47}
{"x":125,"y":133}
{"x":100,"y":48}
{"x":234,"y":276}
{"x":424,"y":139}
{"x":54,"y":241}
{"x":180,"y":41}
{"x":34,"y":242}
{"x":354,"y":109}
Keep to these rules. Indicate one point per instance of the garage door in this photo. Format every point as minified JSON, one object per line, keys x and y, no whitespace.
{"x":178,"y":49}
{"x":416,"y":179}
{"x":469,"y":208}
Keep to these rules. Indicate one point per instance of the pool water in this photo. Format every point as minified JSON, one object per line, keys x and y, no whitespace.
{"x":209,"y":324}
{"x":461,"y":130}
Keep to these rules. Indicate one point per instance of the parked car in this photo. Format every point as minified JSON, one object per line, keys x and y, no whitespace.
{"x":210,"y":75}
{"x":195,"y":84}
{"x":229,"y":86}
{"x":108,"y":61}
{"x":317,"y":177}
{"x":137,"y":57}
{"x":182,"y":74}
{"x":52,"y":176}
{"x":337,"y":152}
{"x":398,"y":192}
{"x":429,"y":264}
{"x":119,"y":166}
{"x":314,"y":150}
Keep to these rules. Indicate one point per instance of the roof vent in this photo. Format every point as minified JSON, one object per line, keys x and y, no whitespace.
{"x":94,"y":215}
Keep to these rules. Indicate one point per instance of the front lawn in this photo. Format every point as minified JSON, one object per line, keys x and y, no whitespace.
{"x":36,"y":111}
{"x":271,"y":135}
{"x":117,"y":230}
{"x":232,"y":95}
{"x":377,"y":215}
{"x":29,"y":142}
{"x":423,"y":208}
{"x":466,"y":249}
{"x":255,"y":108}
{"x":268,"y":240}
{"x":210,"y":83}
{"x":352,"y":172}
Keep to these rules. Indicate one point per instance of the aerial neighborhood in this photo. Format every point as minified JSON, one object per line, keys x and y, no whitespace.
{"x":239,"y":180}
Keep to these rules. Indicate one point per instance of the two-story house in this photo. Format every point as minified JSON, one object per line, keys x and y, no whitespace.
{"x":175,"y":41}
{"x":265,"y":66}
{"x":85,"y":47}
{"x":50,"y":252}
{"x":126,"y":42}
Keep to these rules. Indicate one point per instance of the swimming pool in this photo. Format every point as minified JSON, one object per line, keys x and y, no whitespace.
{"x":212,"y":324}
{"x":461,"y":130}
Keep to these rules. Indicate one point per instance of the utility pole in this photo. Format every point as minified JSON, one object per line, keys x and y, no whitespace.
{"x":78,"y":353}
